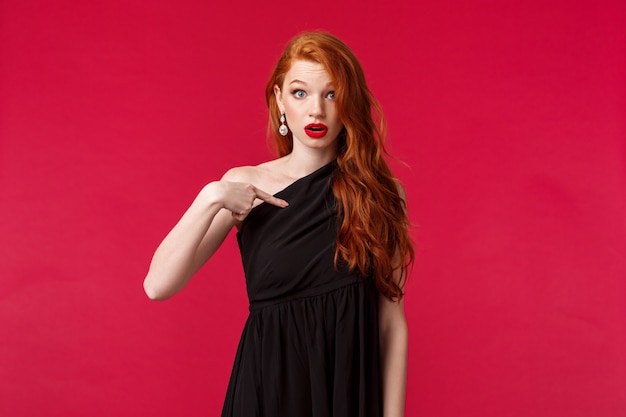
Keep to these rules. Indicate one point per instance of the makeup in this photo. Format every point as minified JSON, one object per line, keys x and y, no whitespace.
{"x":316,"y":130}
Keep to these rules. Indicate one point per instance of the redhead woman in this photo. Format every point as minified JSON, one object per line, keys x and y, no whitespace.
{"x":324,"y":239}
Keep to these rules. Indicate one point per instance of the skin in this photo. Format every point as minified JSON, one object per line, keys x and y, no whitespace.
{"x":306,"y":96}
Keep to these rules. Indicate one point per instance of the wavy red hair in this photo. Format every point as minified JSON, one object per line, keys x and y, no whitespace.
{"x":373,"y":237}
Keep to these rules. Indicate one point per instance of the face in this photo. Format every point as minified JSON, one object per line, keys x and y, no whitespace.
{"x":307,"y":97}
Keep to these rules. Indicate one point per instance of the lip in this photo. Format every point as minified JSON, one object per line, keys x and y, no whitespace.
{"x":316,"y":130}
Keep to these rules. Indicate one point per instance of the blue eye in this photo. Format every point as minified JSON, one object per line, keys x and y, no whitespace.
{"x":331,"y":95}
{"x":298,"y":93}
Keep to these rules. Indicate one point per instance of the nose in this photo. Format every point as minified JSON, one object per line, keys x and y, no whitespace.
{"x":317,"y":107}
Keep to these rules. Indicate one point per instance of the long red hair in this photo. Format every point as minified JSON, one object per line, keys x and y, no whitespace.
{"x":373,"y":238}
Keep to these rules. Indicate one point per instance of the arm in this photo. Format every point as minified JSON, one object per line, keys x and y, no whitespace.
{"x":199,"y":233}
{"x":393,"y":341}
{"x":393,"y":338}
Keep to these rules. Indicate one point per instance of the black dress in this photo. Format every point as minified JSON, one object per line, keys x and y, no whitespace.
{"x":310,"y":345}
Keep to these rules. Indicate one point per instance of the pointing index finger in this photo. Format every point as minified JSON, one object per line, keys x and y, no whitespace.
{"x":268,"y":198}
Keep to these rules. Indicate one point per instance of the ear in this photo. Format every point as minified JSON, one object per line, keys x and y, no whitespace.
{"x":279,"y":97}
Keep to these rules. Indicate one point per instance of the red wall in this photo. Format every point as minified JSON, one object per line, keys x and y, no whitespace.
{"x":511,"y":116}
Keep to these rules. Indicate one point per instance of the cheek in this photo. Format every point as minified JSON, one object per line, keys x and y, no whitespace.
{"x":291,"y":112}
{"x":289,"y":109}
{"x":337,"y":121}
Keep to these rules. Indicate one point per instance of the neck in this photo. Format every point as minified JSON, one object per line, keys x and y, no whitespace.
{"x":303,"y":162}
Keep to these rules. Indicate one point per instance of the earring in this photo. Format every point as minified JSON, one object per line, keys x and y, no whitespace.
{"x":283,"y":129}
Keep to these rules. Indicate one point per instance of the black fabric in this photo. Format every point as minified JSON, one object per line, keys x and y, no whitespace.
{"x":310,"y":344}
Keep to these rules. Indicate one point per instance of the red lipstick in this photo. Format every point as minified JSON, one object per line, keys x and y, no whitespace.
{"x":315,"y":130}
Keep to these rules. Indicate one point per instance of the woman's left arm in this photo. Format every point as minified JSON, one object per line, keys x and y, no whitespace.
{"x":393,"y":339}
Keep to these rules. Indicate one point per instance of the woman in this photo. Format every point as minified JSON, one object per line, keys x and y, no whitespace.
{"x":325,"y":245}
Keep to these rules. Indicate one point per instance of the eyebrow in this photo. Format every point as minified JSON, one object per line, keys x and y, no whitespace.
{"x":328,"y":84}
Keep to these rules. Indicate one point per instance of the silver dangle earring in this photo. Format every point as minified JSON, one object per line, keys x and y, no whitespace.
{"x":283,"y":129}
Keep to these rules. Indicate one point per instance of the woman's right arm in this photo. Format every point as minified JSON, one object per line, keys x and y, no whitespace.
{"x":199,"y":233}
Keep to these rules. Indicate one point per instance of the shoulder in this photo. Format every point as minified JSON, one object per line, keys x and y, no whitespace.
{"x":241,"y":174}
{"x":266,"y":175}
{"x":250,"y":172}
{"x":401,"y":191}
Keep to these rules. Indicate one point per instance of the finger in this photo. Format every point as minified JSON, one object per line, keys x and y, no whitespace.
{"x":268,"y":198}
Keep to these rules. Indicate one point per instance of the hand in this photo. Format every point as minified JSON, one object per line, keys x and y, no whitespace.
{"x":238,"y":198}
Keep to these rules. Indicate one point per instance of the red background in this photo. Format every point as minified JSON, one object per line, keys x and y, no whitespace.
{"x":510,"y":115}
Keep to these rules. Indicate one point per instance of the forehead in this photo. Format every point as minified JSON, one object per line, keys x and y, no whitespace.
{"x":308,"y":72}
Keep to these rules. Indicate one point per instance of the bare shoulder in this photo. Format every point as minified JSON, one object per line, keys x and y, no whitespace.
{"x":240,"y":174}
{"x":266,"y":175}
{"x":401,"y":191}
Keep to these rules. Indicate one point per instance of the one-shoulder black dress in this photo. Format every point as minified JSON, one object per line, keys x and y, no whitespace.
{"x":310,"y":345}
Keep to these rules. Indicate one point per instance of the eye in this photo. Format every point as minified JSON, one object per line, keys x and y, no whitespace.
{"x":298,"y":93}
{"x":331,"y":95}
